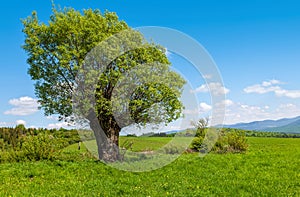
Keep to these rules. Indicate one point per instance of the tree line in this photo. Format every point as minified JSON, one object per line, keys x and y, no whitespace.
{"x":11,"y":138}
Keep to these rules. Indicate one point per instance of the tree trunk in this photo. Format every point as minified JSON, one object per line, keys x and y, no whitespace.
{"x":107,"y":138}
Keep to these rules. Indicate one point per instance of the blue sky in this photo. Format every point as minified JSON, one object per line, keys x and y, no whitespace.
{"x":255,"y":44}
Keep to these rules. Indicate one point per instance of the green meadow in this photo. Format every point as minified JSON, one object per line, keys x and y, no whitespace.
{"x":270,"y":167}
{"x":97,"y":71}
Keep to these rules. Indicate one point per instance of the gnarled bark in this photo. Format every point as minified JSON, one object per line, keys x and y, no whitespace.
{"x":107,"y":137}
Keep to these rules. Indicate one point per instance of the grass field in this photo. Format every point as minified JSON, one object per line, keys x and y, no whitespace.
{"x":269,"y":168}
{"x":138,"y":144}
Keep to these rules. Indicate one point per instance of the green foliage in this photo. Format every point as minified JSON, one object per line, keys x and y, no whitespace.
{"x":11,"y":137}
{"x":201,"y":126}
{"x":131,"y":135}
{"x":197,"y":143}
{"x":159,"y":135}
{"x":56,"y":51}
{"x":76,"y":51}
{"x":229,"y":140}
{"x":41,"y":147}
{"x":172,"y":149}
{"x":34,"y":148}
{"x":233,"y":141}
{"x":21,"y":144}
{"x":271,"y":134}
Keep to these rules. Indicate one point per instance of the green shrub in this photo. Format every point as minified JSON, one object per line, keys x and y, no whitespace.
{"x":231,"y":141}
{"x":197,"y":143}
{"x":172,"y":149}
{"x":228,"y":142}
{"x":41,"y":147}
{"x":237,"y":141}
{"x":34,"y":148}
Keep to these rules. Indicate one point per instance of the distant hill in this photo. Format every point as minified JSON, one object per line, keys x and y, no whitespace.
{"x":286,"y":125}
{"x":293,"y":127}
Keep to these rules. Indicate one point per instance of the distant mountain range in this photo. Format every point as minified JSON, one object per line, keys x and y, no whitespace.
{"x":286,"y":125}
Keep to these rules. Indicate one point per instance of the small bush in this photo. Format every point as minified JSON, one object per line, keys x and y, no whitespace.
{"x":41,"y":147}
{"x":34,"y":148}
{"x":237,"y":141}
{"x":172,"y":149}
{"x":228,"y":142}
{"x":197,"y":143}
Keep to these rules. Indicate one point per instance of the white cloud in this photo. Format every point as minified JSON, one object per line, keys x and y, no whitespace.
{"x":18,"y":122}
{"x":271,"y":82}
{"x":190,"y":111}
{"x":243,"y":113}
{"x":58,"y":125}
{"x":214,"y":88}
{"x":52,"y":117}
{"x":207,"y":76}
{"x":288,"y":93}
{"x":272,"y":86}
{"x":204,"y":107}
{"x":2,"y":124}
{"x":225,"y":103}
{"x":240,"y":112}
{"x":287,"y":110}
{"x":287,"y":106}
{"x":228,"y":102}
{"x":23,"y":106}
{"x":260,"y":89}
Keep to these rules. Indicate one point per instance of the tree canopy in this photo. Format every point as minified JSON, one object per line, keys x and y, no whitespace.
{"x":57,"y":49}
{"x":80,"y":56}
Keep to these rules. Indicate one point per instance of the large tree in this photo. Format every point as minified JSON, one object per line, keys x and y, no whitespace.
{"x":123,"y":81}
